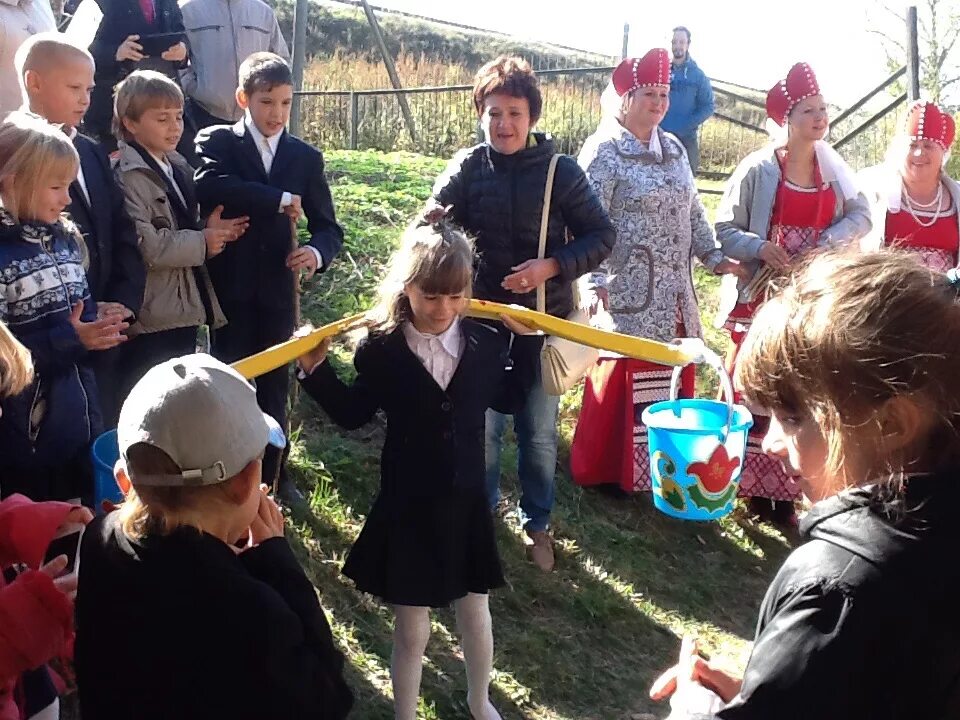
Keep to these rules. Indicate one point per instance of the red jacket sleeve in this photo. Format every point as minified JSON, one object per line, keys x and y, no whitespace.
{"x":36,"y":621}
{"x":26,"y":529}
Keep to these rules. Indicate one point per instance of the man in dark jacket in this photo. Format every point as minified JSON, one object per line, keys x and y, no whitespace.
{"x":691,"y":97}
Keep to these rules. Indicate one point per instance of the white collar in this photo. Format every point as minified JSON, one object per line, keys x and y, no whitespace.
{"x":449,"y":338}
{"x":258,"y":136}
{"x":162,"y":161}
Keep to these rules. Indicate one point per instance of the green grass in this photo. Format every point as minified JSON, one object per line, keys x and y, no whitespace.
{"x":583,"y":642}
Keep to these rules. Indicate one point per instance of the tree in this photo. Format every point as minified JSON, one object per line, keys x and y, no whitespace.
{"x":938,"y":29}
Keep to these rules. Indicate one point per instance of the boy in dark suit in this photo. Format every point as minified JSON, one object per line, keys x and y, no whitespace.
{"x":57,"y":80}
{"x":256,"y":168}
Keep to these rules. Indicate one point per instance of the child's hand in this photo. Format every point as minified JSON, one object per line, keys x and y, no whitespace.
{"x":177,"y":53}
{"x":435,"y":212}
{"x":101,"y":334}
{"x":66,"y":584}
{"x":108,"y":309}
{"x":295,"y":209}
{"x":238,"y":225}
{"x":309,"y":361}
{"x":220,"y":231}
{"x":130,"y":49}
{"x":694,"y":668}
{"x":303,"y":258}
{"x":268,"y":522}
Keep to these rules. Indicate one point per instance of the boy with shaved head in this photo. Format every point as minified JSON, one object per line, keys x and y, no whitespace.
{"x":57,"y":78}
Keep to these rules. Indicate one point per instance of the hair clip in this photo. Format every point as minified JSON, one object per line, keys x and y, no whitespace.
{"x":953,"y":279}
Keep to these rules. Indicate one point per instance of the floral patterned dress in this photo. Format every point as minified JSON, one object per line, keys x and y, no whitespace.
{"x":645,"y":289}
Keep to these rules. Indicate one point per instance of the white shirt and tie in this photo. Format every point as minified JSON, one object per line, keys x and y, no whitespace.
{"x":81,"y":181}
{"x":267,"y":146}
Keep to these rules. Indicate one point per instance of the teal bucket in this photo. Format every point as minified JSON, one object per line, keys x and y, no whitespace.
{"x":105,"y":452}
{"x":697,"y":449}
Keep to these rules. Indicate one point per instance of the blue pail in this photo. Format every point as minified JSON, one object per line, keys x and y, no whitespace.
{"x":697,"y":449}
{"x":105,"y":453}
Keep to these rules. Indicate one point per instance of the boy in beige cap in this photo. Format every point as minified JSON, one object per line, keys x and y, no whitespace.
{"x":176,"y":621}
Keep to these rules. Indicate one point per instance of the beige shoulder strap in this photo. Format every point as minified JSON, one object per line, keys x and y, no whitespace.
{"x":544,"y":221}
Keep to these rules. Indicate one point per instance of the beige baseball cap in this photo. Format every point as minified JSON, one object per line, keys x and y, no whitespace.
{"x":200,"y":412}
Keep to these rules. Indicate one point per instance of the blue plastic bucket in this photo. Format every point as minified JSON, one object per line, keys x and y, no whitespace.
{"x":697,"y":449}
{"x":105,"y":453}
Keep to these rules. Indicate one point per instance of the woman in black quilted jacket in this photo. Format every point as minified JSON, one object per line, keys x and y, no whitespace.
{"x":495,"y":190}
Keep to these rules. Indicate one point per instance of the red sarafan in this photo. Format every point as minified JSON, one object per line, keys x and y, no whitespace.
{"x":715,"y":474}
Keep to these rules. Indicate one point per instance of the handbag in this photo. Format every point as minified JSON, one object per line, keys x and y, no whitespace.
{"x":562,"y":362}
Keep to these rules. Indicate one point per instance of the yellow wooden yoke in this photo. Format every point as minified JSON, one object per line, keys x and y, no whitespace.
{"x":687,"y":352}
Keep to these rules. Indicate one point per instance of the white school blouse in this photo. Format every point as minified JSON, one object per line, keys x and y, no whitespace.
{"x":440,"y":354}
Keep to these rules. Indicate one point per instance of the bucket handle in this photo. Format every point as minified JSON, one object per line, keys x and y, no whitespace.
{"x":705,"y":356}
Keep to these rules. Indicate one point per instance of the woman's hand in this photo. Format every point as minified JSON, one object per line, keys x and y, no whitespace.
{"x":309,"y":361}
{"x":693,"y":668}
{"x":130,"y":49}
{"x":177,"y":53}
{"x":774,"y":255}
{"x":732,"y":267}
{"x":530,"y":275}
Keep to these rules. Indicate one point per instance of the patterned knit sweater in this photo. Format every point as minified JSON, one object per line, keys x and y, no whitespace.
{"x":41,"y":278}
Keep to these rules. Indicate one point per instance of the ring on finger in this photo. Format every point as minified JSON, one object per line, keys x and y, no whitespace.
{"x":523,"y":282}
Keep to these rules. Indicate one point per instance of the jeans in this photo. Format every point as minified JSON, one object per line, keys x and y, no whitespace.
{"x":535,"y":425}
{"x":693,"y":151}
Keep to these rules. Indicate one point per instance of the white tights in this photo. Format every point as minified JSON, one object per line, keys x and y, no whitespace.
{"x":410,"y":635}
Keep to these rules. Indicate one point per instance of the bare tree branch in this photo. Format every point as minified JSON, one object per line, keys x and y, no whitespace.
{"x":884,"y":36}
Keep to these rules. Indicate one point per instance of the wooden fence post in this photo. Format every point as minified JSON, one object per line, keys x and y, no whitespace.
{"x":299,"y":58}
{"x":392,"y":72}
{"x":354,"y":119}
{"x":913,"y":56}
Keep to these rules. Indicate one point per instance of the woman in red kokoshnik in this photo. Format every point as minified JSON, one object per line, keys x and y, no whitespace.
{"x":793,"y":196}
{"x":914,"y":201}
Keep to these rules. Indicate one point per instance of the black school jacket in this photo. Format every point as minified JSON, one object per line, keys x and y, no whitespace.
{"x":116,"y":272}
{"x":861,"y":622}
{"x":435,"y":438}
{"x":252,"y":272}
{"x":182,"y":627}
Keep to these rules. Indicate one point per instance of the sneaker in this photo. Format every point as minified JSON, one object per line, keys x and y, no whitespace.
{"x":541,"y":551}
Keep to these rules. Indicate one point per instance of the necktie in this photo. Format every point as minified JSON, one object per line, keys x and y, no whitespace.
{"x":148,"y":11}
{"x":267,"y":154}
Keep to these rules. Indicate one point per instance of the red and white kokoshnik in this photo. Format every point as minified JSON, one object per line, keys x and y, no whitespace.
{"x":925,"y":121}
{"x":633,"y":73}
{"x":799,"y":84}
